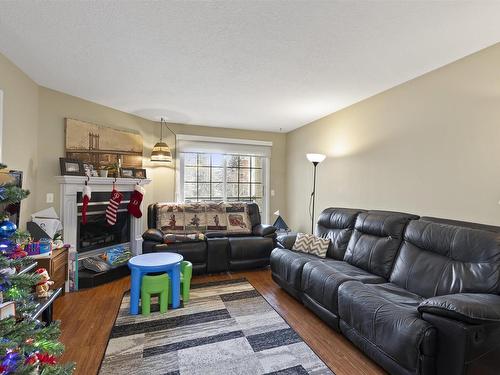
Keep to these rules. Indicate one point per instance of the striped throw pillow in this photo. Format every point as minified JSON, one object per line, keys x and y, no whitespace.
{"x":301,"y":242}
{"x":319,"y":246}
{"x":309,"y":243}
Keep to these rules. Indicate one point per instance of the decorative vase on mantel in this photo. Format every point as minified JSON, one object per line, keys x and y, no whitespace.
{"x":7,"y":230}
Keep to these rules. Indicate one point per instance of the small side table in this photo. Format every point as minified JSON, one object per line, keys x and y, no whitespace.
{"x":57,"y":267}
{"x":154,"y":262}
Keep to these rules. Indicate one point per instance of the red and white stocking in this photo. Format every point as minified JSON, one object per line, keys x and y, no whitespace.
{"x":112,"y":209}
{"x":87,"y":192}
{"x":134,"y":206}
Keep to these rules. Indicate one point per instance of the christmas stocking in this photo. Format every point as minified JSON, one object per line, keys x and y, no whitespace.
{"x":112,"y":209}
{"x":86,"y":198}
{"x":134,"y":207}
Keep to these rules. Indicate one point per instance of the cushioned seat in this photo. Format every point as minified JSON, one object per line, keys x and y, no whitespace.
{"x":248,"y":252}
{"x":287,"y":268}
{"x":335,"y":224}
{"x":321,"y":281}
{"x":377,"y":314}
{"x":196,"y":252}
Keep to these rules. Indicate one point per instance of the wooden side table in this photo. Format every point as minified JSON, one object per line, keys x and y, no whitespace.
{"x":57,"y":267}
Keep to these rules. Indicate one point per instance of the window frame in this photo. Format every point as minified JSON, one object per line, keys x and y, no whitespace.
{"x":265,"y":183}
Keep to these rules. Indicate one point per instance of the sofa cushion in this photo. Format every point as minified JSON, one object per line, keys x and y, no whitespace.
{"x":337,"y":225}
{"x":322,"y":279}
{"x":250,"y":247}
{"x":386,"y":315}
{"x":376,"y":240}
{"x":437,"y":259}
{"x":194,"y":252}
{"x":288,"y":264}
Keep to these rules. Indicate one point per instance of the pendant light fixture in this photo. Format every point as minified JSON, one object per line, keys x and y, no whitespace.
{"x":161,"y":151}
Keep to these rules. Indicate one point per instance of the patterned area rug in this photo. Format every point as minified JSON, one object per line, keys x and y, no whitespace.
{"x":226,"y":328}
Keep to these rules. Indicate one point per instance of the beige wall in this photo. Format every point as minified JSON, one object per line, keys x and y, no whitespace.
{"x":55,"y":106}
{"x":20,"y":128}
{"x":430,"y":146}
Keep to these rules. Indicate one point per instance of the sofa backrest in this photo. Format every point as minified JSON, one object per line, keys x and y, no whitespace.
{"x":205,"y":217}
{"x":437,"y":259}
{"x":376,"y":240}
{"x":337,"y":224}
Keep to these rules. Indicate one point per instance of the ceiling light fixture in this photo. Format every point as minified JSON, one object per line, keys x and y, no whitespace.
{"x":161,"y":151}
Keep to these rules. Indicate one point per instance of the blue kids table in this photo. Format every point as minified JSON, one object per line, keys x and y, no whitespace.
{"x":154,"y":262}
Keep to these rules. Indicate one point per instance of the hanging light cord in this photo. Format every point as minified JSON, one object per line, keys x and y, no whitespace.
{"x":162,"y":121}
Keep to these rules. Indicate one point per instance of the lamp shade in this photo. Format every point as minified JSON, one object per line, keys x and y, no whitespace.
{"x":315,"y":158}
{"x":161,"y":152}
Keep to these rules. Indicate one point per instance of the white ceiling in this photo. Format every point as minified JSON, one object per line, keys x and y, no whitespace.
{"x":266,"y":65}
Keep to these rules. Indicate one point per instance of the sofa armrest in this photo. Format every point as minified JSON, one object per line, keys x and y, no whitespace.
{"x":154,"y":235}
{"x":286,"y":241}
{"x":263,"y":230}
{"x":466,"y":307}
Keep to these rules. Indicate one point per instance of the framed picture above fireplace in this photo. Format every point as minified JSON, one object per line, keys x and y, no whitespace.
{"x":71,"y":167}
{"x":139,"y":173}
{"x":102,"y":146}
{"x":127,"y":172}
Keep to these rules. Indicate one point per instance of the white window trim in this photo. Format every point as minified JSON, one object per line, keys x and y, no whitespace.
{"x":201,"y":138}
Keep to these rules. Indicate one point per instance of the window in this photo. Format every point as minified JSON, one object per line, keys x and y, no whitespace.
{"x":223,"y":177}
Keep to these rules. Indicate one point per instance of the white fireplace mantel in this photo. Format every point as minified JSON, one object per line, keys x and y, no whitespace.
{"x":71,"y":185}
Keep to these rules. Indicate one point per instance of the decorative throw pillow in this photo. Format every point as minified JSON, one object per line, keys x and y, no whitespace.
{"x":302,"y":242}
{"x":309,"y":243}
{"x":319,"y":246}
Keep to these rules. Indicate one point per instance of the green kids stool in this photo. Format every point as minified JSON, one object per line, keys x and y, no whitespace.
{"x":186,"y":273}
{"x":158,"y":284}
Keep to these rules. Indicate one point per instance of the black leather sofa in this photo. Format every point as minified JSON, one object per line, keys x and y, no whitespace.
{"x":219,"y":252}
{"x":417,"y":295}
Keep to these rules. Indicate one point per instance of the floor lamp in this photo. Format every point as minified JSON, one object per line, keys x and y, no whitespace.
{"x":315,"y":159}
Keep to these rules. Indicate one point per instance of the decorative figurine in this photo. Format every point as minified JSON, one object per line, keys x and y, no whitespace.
{"x":43,"y":286}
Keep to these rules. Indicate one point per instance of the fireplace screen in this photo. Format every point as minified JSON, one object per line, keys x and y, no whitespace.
{"x":97,"y":233}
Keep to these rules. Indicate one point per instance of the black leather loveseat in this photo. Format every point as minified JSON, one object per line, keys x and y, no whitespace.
{"x":219,"y":251}
{"x":417,"y":295}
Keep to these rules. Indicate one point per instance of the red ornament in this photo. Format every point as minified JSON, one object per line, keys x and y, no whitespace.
{"x":46,"y":358}
{"x":32,"y":359}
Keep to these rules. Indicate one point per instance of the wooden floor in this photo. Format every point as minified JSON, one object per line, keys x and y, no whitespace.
{"x":88,"y":316}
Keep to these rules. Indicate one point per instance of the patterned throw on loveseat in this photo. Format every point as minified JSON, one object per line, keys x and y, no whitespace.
{"x":203,"y":217}
{"x":214,"y":236}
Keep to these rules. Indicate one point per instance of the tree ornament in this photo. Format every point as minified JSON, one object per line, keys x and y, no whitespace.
{"x":46,"y":359}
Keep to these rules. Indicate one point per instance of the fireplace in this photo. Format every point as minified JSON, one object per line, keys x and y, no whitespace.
{"x":97,"y":233}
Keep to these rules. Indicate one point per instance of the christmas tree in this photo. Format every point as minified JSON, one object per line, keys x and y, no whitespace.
{"x":27,"y":346}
